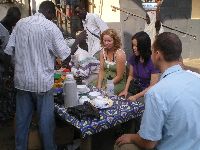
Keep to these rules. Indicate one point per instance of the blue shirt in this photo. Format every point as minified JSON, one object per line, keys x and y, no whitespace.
{"x":172,"y":111}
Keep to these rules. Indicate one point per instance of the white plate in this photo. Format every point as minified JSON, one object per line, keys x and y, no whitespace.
{"x":102,"y":103}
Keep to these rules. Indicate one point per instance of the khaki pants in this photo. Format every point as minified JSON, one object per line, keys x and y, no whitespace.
{"x":127,"y":147}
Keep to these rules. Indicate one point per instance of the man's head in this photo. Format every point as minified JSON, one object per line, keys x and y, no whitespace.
{"x":80,"y":12}
{"x":166,"y":48}
{"x":13,"y":15}
{"x":47,"y":8}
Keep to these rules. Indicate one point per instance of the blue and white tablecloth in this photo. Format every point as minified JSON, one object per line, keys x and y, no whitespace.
{"x":121,"y":111}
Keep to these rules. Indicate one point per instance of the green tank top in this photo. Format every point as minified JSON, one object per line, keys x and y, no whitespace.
{"x":110,"y":69}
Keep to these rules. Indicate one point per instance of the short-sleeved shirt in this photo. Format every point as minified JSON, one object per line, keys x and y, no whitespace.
{"x":141,"y":71}
{"x":172,"y":110}
{"x":34,"y":43}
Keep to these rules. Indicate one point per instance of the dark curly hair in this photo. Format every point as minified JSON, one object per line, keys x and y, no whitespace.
{"x":143,"y":46}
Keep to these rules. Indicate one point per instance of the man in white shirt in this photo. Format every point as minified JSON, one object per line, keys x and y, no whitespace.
{"x":35,"y":43}
{"x":153,"y":25}
{"x":94,"y":26}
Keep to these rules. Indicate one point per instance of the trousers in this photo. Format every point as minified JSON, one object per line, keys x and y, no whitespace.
{"x":26,"y":103}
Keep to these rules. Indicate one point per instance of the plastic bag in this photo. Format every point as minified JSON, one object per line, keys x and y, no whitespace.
{"x":83,"y":64}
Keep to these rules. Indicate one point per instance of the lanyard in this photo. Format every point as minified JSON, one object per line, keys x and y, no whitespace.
{"x":169,"y":74}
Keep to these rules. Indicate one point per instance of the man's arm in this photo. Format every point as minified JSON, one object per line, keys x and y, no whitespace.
{"x":79,"y":38}
{"x":10,"y":47}
{"x":136,"y":139}
{"x":152,"y":122}
{"x":74,"y":47}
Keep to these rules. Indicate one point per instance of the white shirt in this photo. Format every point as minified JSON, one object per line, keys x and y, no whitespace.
{"x":150,"y":28}
{"x":95,"y":25}
{"x":35,"y":42}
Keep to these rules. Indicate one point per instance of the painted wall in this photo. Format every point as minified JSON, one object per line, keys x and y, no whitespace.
{"x":104,"y":10}
{"x":195,"y":9}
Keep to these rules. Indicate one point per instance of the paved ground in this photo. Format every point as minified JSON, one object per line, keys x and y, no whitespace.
{"x":192,"y":64}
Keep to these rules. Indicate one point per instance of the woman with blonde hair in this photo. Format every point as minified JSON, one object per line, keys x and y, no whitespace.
{"x":112,"y":61}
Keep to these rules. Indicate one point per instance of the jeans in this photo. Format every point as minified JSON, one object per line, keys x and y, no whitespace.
{"x":26,"y":102}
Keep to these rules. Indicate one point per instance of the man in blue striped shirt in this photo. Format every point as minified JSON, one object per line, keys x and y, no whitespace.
{"x":35,"y":43}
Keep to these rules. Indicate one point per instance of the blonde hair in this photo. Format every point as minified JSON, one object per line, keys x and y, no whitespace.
{"x":113,"y":34}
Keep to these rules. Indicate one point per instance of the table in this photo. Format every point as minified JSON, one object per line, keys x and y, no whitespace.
{"x":121,"y":111}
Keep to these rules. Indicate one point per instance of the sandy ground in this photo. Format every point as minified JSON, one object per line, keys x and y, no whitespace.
{"x":192,"y":64}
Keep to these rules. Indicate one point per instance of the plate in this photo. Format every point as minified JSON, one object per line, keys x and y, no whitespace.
{"x":102,"y":103}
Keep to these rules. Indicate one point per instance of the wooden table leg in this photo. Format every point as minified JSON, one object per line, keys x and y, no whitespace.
{"x":86,"y":144}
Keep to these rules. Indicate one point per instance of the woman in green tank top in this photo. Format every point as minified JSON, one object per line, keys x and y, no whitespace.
{"x":112,"y":61}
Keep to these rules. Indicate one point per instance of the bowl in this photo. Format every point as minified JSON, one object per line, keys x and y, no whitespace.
{"x":100,"y":103}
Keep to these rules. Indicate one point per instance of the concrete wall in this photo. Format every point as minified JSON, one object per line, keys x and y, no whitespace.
{"x":178,"y":14}
{"x":129,"y":26}
{"x":174,"y":13}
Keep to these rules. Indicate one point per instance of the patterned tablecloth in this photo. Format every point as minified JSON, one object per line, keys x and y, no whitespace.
{"x":121,"y":111}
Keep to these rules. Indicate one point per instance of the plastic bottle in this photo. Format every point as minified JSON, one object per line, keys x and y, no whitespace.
{"x":110,"y":86}
{"x":70,"y":91}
